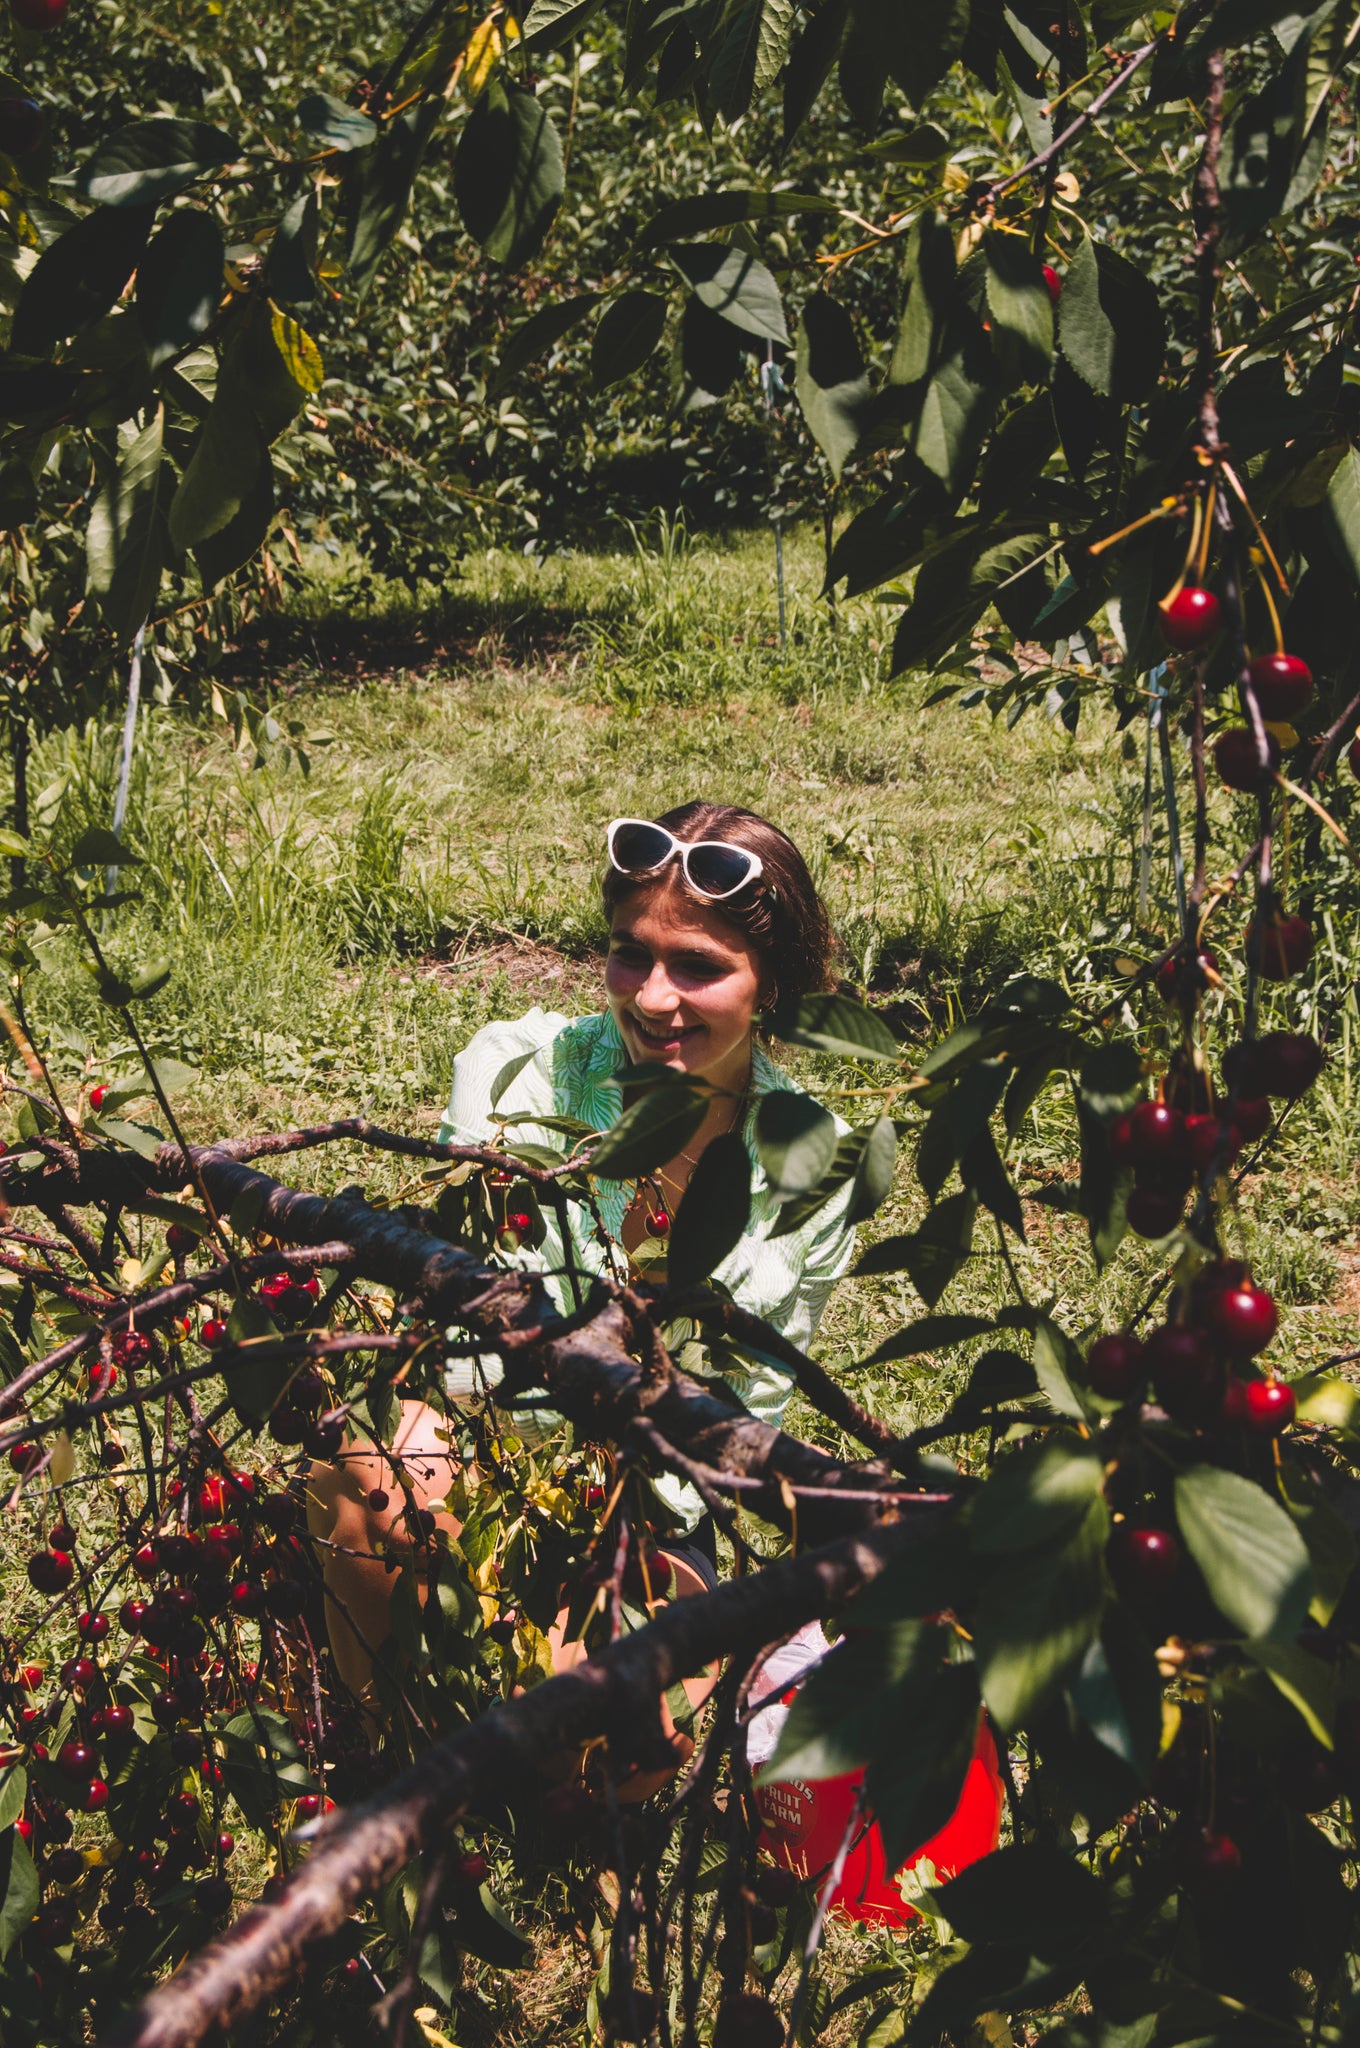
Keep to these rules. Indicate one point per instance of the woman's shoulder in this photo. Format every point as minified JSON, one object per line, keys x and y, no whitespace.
{"x":540,"y":1061}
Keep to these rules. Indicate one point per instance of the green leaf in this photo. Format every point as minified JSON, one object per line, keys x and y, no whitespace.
{"x":151,"y":160}
{"x":13,"y":1792}
{"x":126,"y":543}
{"x":1305,"y":1681}
{"x":377,"y":188}
{"x":223,"y":470}
{"x":834,"y":1024}
{"x":1261,"y":146}
{"x":927,"y":1333}
{"x":1109,"y":1082}
{"x":629,"y":329}
{"x":1254,"y":1561}
{"x":1036,"y":1494}
{"x":956,"y":411}
{"x":796,"y":1140}
{"x":1117,"y":1693}
{"x":332,"y":122}
{"x":1020,"y":307}
{"x":549,"y":23}
{"x":932,"y":1255}
{"x":957,"y":1119}
{"x":1055,"y":1359}
{"x":179,"y":283}
{"x":703,"y":211}
{"x":737,"y":287}
{"x":714,"y":1212}
{"x":831,"y":379}
{"x":1032,"y":1893}
{"x":1343,"y":506}
{"x":146,"y":1144}
{"x":510,"y":1072}
{"x":536,"y":335}
{"x":874,"y":1173}
{"x":748,"y":56}
{"x":485,"y":1930}
{"x":290,"y":268}
{"x":508,"y":174}
{"x":650,"y":1133}
{"x":254,"y":1383}
{"x":1035,"y":1620}
{"x":812,"y":58}
{"x":1110,"y":323}
{"x":79,"y":277}
{"x":844,"y":1166}
{"x":928,"y":279}
{"x":854,"y":1699}
{"x":99,"y":848}
{"x":19,"y":1890}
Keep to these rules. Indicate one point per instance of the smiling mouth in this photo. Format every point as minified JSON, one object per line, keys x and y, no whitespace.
{"x":662,"y":1038}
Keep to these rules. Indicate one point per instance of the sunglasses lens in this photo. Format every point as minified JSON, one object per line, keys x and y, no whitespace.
{"x":640,"y":847}
{"x":718,"y":870}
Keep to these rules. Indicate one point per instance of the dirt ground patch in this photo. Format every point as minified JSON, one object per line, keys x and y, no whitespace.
{"x":531,"y":969}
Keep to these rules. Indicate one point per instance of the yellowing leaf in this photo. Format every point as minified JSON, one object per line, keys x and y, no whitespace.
{"x":425,"y":2017}
{"x":484,"y":47}
{"x":63,"y":1463}
{"x":300,"y":353}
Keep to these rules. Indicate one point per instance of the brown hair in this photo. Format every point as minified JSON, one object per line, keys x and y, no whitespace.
{"x":780,"y":913}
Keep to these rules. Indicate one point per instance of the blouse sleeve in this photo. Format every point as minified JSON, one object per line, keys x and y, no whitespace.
{"x":468,"y":1118}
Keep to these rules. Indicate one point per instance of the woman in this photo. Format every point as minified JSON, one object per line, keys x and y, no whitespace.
{"x":713,"y":918}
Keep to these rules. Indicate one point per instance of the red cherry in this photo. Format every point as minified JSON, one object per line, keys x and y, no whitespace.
{"x":1144,"y":1560}
{"x":247,"y":1598}
{"x":224,"y":1845}
{"x":1283,"y":685}
{"x":1282,"y":946}
{"x":93,"y":1628}
{"x":1288,"y":1063}
{"x":657,"y":1223}
{"x":50,"y":1571}
{"x":30,"y":1677}
{"x":1209,"y":1860}
{"x":1243,"y":1317}
{"x":521,"y":1223}
{"x":1054,"y":284}
{"x":1252,"y":1118}
{"x":1190,"y":619}
{"x":474,"y":1869}
{"x":54,"y":1923}
{"x":1156,"y":1134}
{"x":24,"y":1455}
{"x":1120,"y":1140}
{"x":1202,"y":1137}
{"x":213,"y":1333}
{"x":1239,"y":765}
{"x":118,"y":1723}
{"x":96,"y":1797}
{"x":61,"y":1535}
{"x":212,"y":1499}
{"x":78,"y":1672}
{"x":1186,"y":1376}
{"x":75,"y":1759}
{"x":309,"y":1806}
{"x":99,"y":1090}
{"x":1114,"y":1365}
{"x":1180,"y":979}
{"x":181,"y":1239}
{"x":146,"y":1561}
{"x":659,"y":1576}
{"x":1270,"y":1407}
{"x":1154,"y":1212}
{"x":131,"y":1615}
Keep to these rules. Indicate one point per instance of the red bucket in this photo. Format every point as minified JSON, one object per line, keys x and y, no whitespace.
{"x":805,"y":1823}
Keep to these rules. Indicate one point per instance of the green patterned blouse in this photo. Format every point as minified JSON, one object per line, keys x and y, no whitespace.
{"x":785,"y":1280}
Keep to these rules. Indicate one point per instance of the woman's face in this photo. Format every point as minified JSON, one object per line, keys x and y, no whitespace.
{"x":684,"y":985}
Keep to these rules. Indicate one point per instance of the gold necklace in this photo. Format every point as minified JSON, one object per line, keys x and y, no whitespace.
{"x":657,"y":1222}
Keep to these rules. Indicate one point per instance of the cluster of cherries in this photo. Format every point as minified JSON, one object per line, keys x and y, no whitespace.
{"x":1282,"y":684}
{"x":232,"y":1553}
{"x":1194,"y":1365}
{"x":1167,"y":1146}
